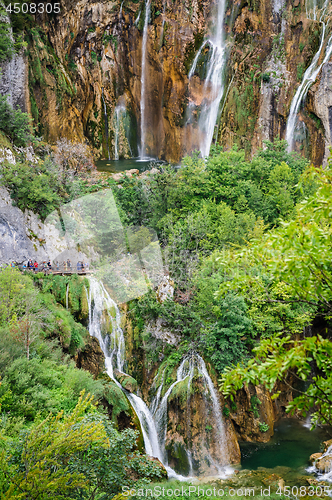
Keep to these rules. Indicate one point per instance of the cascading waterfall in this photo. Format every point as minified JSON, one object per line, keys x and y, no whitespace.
{"x":143,"y":77}
{"x":102,"y":310}
{"x":313,"y":13}
{"x":327,"y":474}
{"x":113,"y":346}
{"x":214,"y":82}
{"x":106,"y":122}
{"x":190,"y":364}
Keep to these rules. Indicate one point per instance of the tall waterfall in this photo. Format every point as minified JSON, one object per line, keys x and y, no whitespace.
{"x":118,"y":111}
{"x":214,"y":82}
{"x":315,"y":14}
{"x":102,"y":311}
{"x":143,"y":77}
{"x":106,"y":122}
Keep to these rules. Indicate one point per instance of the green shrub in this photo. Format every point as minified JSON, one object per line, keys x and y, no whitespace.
{"x":6,"y":41}
{"x":14,"y":123}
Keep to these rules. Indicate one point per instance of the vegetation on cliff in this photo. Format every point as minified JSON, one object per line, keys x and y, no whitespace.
{"x":41,"y":398}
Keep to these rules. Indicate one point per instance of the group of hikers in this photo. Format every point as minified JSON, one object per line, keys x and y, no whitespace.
{"x":46,"y":266}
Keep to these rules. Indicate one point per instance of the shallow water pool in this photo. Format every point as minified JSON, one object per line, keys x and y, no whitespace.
{"x":291,"y":446}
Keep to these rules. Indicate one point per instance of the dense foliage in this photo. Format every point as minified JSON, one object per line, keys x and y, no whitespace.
{"x":40,"y":390}
{"x":291,"y":266}
{"x":14,"y":123}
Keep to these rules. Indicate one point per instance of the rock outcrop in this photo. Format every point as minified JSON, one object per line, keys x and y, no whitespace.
{"x":323,"y":461}
{"x":21,"y":234}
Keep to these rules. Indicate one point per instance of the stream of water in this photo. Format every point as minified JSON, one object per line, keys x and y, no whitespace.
{"x":143,"y":78}
{"x":214,"y":81}
{"x":119,"y":109}
{"x":314,"y":13}
{"x":106,"y":122}
{"x":102,"y":310}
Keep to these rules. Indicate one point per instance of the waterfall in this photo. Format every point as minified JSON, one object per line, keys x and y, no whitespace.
{"x":118,"y":110}
{"x":67,"y":293}
{"x":190,"y":364}
{"x":102,"y":311}
{"x":143,"y":76}
{"x":106,"y":122}
{"x":163,"y":23}
{"x":214,"y":84}
{"x":101,"y":306}
{"x":312,"y":72}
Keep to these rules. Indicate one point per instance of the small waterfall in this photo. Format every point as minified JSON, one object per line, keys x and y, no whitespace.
{"x":103,"y":311}
{"x":106,"y":122}
{"x":119,"y":109}
{"x":163,"y":23}
{"x":214,"y":82}
{"x":143,"y":77}
{"x":186,"y":370}
{"x":327,"y":474}
{"x":67,"y":296}
{"x":313,"y":70}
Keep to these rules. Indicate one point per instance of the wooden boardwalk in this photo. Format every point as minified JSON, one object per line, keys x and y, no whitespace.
{"x":59,"y":272}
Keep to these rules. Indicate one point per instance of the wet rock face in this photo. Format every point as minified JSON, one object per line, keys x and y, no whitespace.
{"x":253,"y":407}
{"x":91,"y":358}
{"x":14,"y":81}
{"x":192,"y":426}
{"x":127,"y":382}
{"x":21,"y":234}
{"x":323,"y":461}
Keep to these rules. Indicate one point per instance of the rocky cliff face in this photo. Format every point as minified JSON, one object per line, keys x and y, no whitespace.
{"x":21,"y":234}
{"x":85,"y":68}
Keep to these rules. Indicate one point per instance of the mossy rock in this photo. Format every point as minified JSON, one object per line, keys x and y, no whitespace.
{"x":127,"y":382}
{"x":116,"y":398}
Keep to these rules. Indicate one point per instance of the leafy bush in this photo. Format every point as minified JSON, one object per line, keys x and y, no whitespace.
{"x":15,"y":124}
{"x":227,"y":340}
{"x":32,"y":186}
{"x":6,"y":41}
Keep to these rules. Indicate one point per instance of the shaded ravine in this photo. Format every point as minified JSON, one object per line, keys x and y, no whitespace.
{"x":310,"y":75}
{"x":102,"y":311}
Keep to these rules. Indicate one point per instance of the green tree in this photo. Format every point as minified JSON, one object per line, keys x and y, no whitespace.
{"x":107,"y":470}
{"x":291,"y":361}
{"x":227,"y":340}
{"x":14,"y":123}
{"x":6,"y":40}
{"x":37,"y":466}
{"x":32,"y":187}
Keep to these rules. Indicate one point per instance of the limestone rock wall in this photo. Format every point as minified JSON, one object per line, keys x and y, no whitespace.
{"x":93,"y":50}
